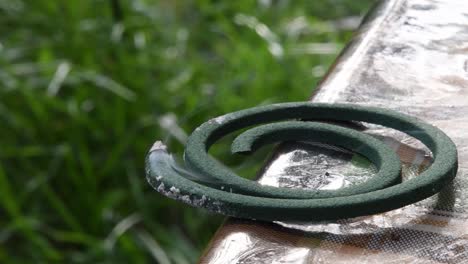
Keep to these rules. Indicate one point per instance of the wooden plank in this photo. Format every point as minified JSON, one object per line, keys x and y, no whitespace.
{"x":410,"y":56}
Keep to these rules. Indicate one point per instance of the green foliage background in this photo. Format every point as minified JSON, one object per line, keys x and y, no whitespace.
{"x":87,"y":86}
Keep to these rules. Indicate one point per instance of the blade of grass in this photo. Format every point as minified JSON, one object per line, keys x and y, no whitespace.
{"x":8,"y":203}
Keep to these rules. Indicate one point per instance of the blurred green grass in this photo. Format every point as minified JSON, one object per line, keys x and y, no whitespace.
{"x":87,"y":86}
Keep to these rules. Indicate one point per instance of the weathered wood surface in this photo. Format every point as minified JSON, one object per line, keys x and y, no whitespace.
{"x":411,"y":56}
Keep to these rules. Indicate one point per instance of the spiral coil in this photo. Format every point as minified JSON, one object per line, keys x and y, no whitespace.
{"x":221,"y":190}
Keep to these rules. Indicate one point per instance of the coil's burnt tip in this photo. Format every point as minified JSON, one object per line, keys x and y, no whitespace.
{"x":158,"y":145}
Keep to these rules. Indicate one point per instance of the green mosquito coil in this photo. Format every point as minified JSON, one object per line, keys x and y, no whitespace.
{"x":220,"y":190}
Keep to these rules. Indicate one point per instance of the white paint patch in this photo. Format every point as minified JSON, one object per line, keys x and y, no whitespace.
{"x":174,"y":190}
{"x":161,"y":188}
